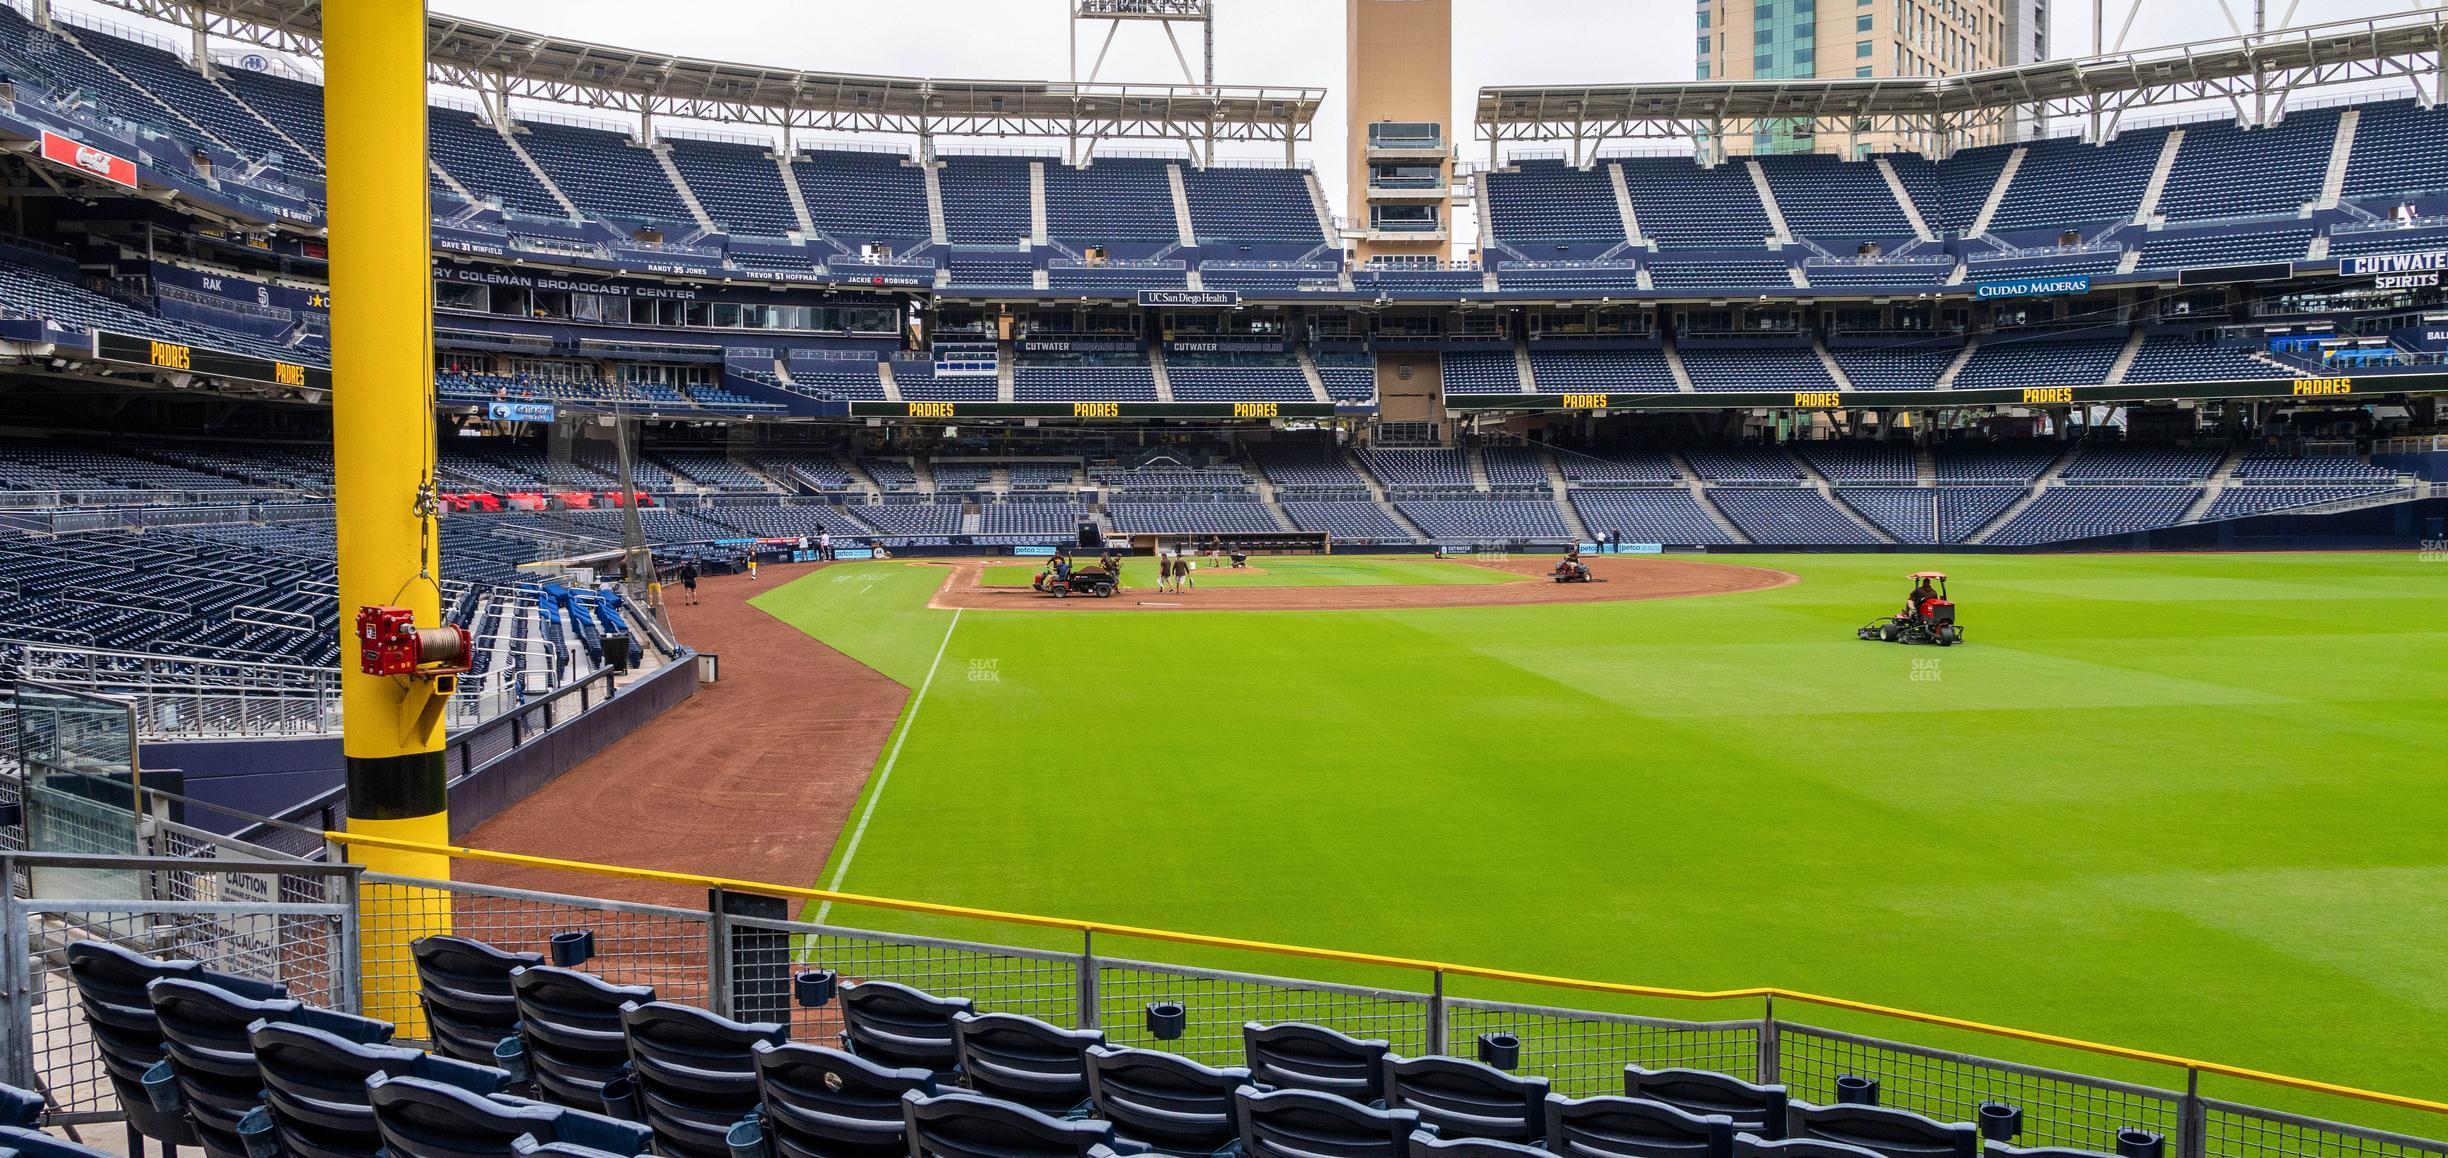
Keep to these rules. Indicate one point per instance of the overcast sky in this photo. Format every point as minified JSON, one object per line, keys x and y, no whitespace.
{"x":1287,"y":42}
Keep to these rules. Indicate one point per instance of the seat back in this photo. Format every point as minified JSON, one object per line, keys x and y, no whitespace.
{"x":829,"y":1103}
{"x":1024,"y":1060}
{"x":110,"y":983}
{"x":423,"y":1119}
{"x":1467,"y":1099}
{"x":895,"y":1025}
{"x":696,"y":1073}
{"x":1892,"y":1132}
{"x":33,"y":1143}
{"x":1754,"y":1109}
{"x":20,"y":1108}
{"x":571,"y":1022}
{"x":464,"y":985}
{"x":1616,"y":1127}
{"x":315,"y":1083}
{"x":1163,"y":1099}
{"x":1297,"y":1056}
{"x":1308,"y":1124}
{"x":1754,"y":1146}
{"x":957,"y":1124}
{"x":1997,"y":1151}
{"x":1427,"y":1145}
{"x":204,"y":1034}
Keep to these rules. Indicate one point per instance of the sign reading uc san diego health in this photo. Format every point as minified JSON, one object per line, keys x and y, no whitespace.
{"x":1192,"y":298}
{"x":2032,"y":287}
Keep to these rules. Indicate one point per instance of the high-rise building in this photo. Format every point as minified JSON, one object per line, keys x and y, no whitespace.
{"x":1785,"y":39}
{"x":1399,"y":80}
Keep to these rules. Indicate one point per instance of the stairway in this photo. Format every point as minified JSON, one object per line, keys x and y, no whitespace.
{"x":1562,"y":493}
{"x":1181,"y":207}
{"x":1037,"y":203}
{"x":798,"y":200}
{"x":1700,"y":494}
{"x":1880,"y":533}
{"x":1309,"y":374}
{"x":1521,"y":365}
{"x":1156,"y":367}
{"x":671,"y":171}
{"x":892,"y":386}
{"x":1478,"y":469}
{"x":1325,"y":211}
{"x":1003,"y":372}
{"x":1827,"y":361}
{"x":1674,"y":365}
{"x":2341,"y":151}
{"x":510,"y":138}
{"x":1925,"y":467}
{"x":452,"y":183}
{"x":2147,"y":213}
{"x":1946,"y":379}
{"x":2008,"y":515}
{"x":1997,"y":192}
{"x":1623,"y":208}
{"x":1904,"y":201}
{"x":1768,"y":201}
{"x":2125,"y":357}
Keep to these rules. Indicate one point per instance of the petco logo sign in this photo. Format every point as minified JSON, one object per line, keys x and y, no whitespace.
{"x":85,"y":158}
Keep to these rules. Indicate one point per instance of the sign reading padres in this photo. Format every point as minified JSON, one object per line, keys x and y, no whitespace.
{"x":2047,"y":395}
{"x":1818,"y":400}
{"x":2324,"y":386}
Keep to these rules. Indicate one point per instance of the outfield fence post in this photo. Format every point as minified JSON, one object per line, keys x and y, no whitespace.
{"x":2192,"y":1118}
{"x":1771,"y":1047}
{"x":1436,"y":1011}
{"x":17,"y":1019}
{"x":1087,"y":980}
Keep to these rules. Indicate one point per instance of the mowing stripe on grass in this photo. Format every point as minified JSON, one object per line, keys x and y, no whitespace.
{"x":884,"y":774}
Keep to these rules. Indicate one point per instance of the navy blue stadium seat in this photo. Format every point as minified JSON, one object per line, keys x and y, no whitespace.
{"x":958,"y":1124}
{"x":110,"y":983}
{"x":315,"y":1084}
{"x":1619,"y":1127}
{"x":1307,"y":1124}
{"x":1024,"y":1060}
{"x":1754,"y":1146}
{"x":826,"y":1103}
{"x":895,"y":1025}
{"x":423,"y":1119}
{"x":695,"y":1072}
{"x":570,"y":1023}
{"x":20,"y":1108}
{"x":1462,"y":1098}
{"x":464,"y":986}
{"x":1164,"y":1101}
{"x":1754,"y":1109}
{"x":2043,"y":1152}
{"x":204,"y":1034}
{"x":31,"y":1143}
{"x":1891,"y":1132}
{"x":1427,"y":1145}
{"x":1297,"y":1056}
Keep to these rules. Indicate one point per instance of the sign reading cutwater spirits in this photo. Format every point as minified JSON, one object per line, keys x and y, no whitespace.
{"x":2398,"y":270}
{"x":1176,"y":299}
{"x":2033,"y":287}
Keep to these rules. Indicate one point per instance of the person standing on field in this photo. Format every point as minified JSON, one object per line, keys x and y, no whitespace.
{"x":824,"y":545}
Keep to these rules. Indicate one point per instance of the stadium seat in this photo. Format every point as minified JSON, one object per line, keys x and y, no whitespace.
{"x":1754,"y":1146}
{"x":1024,"y":1060}
{"x":1297,"y":1056}
{"x":570,"y":1023}
{"x":1164,"y":1101}
{"x":1427,"y":1145}
{"x":31,"y":1143}
{"x":464,"y":987}
{"x":1754,"y":1109}
{"x":426,"y":1119}
{"x":695,"y":1073}
{"x":825,"y":1103}
{"x":895,"y":1025}
{"x":110,"y":983}
{"x":314,"y":1082}
{"x":1308,"y":1124}
{"x":959,"y":1124}
{"x":1462,"y":1098}
{"x":1608,"y":1126}
{"x":1888,"y":1131}
{"x":204,"y":1034}
{"x":20,"y":1108}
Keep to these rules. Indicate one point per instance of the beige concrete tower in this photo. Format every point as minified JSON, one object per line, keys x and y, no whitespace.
{"x":1399,"y":78}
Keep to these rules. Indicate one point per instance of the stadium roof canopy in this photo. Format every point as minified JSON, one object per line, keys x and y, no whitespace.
{"x":2255,"y":73}
{"x":505,"y":62}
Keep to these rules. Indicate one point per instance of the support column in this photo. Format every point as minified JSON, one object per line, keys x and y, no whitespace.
{"x":383,"y":461}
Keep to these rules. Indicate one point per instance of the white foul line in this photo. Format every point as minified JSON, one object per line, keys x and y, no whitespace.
{"x":885,"y":774}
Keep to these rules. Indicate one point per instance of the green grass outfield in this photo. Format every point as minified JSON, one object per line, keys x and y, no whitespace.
{"x":1287,"y":571}
{"x":2191,"y":804}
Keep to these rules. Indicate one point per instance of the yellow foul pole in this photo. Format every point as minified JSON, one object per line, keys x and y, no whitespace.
{"x":383,"y":459}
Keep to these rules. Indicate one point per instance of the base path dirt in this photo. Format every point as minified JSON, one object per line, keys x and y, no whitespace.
{"x":751,"y":778}
{"x":1621,"y":577}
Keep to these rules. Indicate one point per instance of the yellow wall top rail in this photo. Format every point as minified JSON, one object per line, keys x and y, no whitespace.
{"x":1448,"y":968}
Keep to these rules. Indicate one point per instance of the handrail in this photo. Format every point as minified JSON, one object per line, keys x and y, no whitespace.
{"x":1345,"y":956}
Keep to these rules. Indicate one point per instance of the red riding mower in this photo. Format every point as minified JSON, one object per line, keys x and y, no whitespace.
{"x":1928,"y":617}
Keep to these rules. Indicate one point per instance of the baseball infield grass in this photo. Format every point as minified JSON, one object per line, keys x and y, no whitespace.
{"x":1287,"y":571}
{"x":2191,"y":804}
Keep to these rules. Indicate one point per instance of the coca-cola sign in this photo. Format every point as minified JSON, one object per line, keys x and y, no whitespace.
{"x":85,"y":158}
